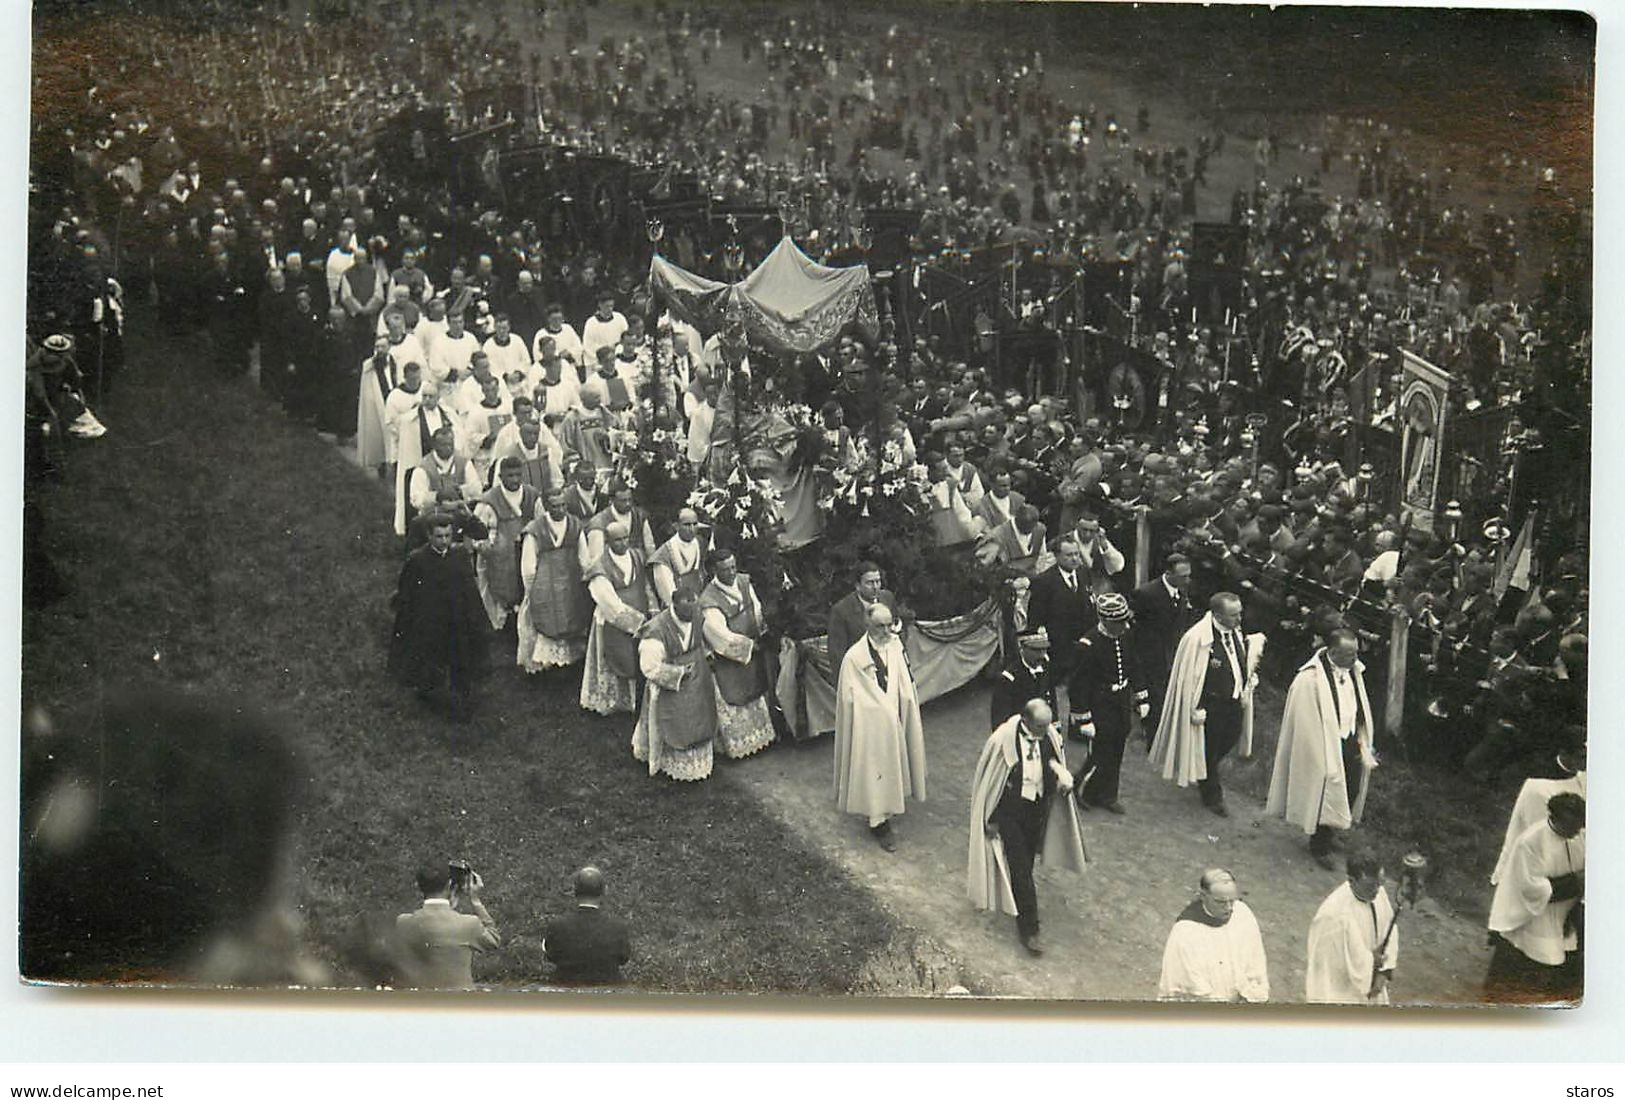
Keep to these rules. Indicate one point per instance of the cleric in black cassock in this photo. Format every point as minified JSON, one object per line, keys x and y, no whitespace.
{"x":1108,"y":692}
{"x":440,"y":641}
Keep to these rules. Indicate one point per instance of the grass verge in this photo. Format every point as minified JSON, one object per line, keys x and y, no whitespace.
{"x":213,"y":546}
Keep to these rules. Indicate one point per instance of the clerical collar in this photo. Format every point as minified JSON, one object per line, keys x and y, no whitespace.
{"x":1195,"y":913}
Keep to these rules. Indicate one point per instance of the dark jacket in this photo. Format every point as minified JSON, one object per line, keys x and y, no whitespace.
{"x":1159,"y":623}
{"x":587,"y":945}
{"x":848,"y":622}
{"x":1067,"y":615}
{"x":1015,"y":686}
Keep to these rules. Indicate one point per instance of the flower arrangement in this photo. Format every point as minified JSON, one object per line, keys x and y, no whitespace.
{"x":890,"y":490}
{"x":745,"y":514}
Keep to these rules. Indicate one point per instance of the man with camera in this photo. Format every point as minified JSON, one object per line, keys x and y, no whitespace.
{"x":437,"y":942}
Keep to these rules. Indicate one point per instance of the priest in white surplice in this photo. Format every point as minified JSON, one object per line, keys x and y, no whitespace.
{"x":731,"y":617}
{"x":556,"y":611}
{"x":677,"y":729}
{"x":444,"y":477}
{"x":677,"y":561}
{"x":1353,"y":940}
{"x":618,"y":582}
{"x":415,"y":443}
{"x":1215,"y":951}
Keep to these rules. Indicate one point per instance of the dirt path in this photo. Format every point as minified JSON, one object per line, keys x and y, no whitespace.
{"x":1105,"y":930}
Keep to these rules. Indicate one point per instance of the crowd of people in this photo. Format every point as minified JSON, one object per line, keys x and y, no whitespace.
{"x":503,"y":379}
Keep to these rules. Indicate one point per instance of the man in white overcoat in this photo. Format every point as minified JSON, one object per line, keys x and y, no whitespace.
{"x":1208,"y":707}
{"x":1020,"y":812}
{"x":1324,"y":757}
{"x":879,"y":740}
{"x":1353,"y":940}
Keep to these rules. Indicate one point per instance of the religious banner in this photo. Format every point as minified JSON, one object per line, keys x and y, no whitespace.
{"x":1423,"y":403}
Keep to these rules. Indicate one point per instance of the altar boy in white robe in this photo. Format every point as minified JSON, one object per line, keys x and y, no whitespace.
{"x":1353,"y":940}
{"x":1537,"y":914}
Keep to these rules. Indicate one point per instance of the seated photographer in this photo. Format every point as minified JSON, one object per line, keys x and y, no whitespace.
{"x":436,"y":942}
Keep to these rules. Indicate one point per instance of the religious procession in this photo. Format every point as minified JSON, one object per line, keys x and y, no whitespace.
{"x":1235,"y":472}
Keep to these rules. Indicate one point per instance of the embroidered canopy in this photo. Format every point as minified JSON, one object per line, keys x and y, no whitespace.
{"x":790,"y":303}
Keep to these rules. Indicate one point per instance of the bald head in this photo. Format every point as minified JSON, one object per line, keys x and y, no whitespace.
{"x":1037,"y":715}
{"x":1219,"y":893}
{"x":589,"y":883}
{"x":879,"y":622}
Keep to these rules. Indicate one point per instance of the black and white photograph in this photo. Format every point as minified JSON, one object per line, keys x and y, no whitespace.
{"x":922,"y":499}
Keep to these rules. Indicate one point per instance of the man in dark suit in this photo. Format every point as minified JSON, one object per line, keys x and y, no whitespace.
{"x":1063,"y":605}
{"x":849,"y":617}
{"x":588,"y":946}
{"x":1162,"y":613}
{"x":1221,"y":697}
{"x":1024,"y":678}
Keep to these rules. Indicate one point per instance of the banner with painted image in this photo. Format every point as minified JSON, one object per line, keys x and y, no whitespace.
{"x":1423,"y":403}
